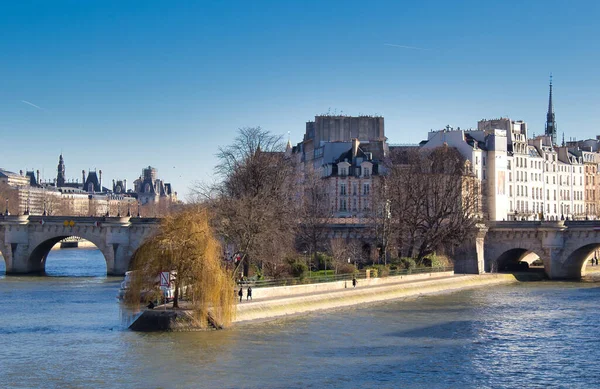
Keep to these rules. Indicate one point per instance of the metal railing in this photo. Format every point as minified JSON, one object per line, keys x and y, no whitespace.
{"x":339,"y":277}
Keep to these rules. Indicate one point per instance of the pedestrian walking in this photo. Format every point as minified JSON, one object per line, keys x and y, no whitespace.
{"x":354,"y":282}
{"x":241,"y":293}
{"x":249,"y":293}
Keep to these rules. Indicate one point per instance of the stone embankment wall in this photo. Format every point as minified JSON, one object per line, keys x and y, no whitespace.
{"x":293,"y":305}
{"x":294,"y":290}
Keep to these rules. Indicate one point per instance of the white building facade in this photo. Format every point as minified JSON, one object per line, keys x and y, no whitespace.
{"x":522,"y":178}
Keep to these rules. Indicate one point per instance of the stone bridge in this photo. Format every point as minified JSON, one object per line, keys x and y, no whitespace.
{"x":25,"y":241}
{"x":563,"y":246}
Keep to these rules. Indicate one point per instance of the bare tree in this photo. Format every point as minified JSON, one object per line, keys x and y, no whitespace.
{"x":338,"y":248}
{"x":434,"y":200}
{"x":315,"y":211}
{"x":380,"y":218}
{"x":254,"y":201}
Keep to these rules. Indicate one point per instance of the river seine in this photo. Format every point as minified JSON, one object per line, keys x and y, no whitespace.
{"x":68,"y":331}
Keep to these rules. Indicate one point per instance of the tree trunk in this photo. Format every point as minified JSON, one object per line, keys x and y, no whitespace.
{"x":176,"y":295}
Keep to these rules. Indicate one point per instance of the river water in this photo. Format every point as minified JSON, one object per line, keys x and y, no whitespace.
{"x":68,"y":331}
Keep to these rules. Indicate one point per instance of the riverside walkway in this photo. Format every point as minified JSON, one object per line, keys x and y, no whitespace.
{"x":289,"y":302}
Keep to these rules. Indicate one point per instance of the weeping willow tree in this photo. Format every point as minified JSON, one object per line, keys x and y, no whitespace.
{"x":185,"y":244}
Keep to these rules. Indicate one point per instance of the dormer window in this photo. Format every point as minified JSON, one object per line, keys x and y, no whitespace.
{"x":366,"y":172}
{"x":343,"y":172}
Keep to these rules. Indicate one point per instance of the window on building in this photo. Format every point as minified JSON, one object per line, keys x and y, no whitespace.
{"x":343,"y":189}
{"x":510,"y":190}
{"x":354,"y":186}
{"x":366,"y":189}
{"x":367,"y":172}
{"x":343,"y":172}
{"x":342,"y":205}
{"x":365,"y":205}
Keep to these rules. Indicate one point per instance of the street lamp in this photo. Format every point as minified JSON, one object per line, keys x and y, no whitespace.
{"x":6,"y":213}
{"x":138,"y":203}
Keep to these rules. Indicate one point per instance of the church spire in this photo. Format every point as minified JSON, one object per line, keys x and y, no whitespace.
{"x":550,"y":118}
{"x":60,"y":178}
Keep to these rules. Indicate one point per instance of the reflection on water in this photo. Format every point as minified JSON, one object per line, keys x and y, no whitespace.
{"x":68,"y":332}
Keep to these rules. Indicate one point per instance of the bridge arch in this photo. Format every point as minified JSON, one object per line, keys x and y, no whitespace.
{"x":514,"y":259}
{"x":574,"y":264}
{"x":41,"y":247}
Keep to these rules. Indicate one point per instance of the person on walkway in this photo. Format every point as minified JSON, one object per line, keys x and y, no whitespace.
{"x":241,"y":293}
{"x":249,"y":293}
{"x":354,"y":282}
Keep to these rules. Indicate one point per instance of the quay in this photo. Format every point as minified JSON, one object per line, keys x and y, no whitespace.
{"x":281,"y":301}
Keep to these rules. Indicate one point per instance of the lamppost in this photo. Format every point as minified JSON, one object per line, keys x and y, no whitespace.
{"x":6,"y":213}
{"x":138,"y":204}
{"x":128,"y":209}
{"x":107,"y":206}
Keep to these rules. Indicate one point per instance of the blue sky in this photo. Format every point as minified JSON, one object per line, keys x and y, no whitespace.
{"x":119,"y":85}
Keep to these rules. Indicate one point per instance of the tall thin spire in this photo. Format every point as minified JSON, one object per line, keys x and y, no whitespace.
{"x":60,"y":177}
{"x":550,"y":117}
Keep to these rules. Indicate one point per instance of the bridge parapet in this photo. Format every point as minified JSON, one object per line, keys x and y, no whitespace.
{"x":526,"y":224}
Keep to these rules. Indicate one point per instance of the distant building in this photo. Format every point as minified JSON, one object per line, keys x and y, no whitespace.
{"x":149,"y":189}
{"x":347,"y":152}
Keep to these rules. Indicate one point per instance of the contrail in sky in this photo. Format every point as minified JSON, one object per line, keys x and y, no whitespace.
{"x":405,"y":47}
{"x":33,"y":105}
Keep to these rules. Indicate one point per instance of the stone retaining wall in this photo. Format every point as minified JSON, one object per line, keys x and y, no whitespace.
{"x":294,"y":290}
{"x":267,"y":309}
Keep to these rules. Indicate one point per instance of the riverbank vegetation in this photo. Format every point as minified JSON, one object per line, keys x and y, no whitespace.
{"x":273,"y":213}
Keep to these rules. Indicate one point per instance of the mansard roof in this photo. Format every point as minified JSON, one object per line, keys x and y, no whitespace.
{"x":474,"y":142}
{"x":533,"y":152}
{"x":6,"y":173}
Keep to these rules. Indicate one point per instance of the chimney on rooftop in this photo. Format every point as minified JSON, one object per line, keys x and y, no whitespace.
{"x":355,"y":144}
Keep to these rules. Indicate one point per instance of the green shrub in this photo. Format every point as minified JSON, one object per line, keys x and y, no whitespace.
{"x":298,"y":269}
{"x":324,"y":261}
{"x":346,"y":268}
{"x":408,"y":263}
{"x":434,"y":260}
{"x":382,"y":270}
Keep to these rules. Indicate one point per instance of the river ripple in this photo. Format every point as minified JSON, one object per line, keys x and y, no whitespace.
{"x":69,"y":332}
